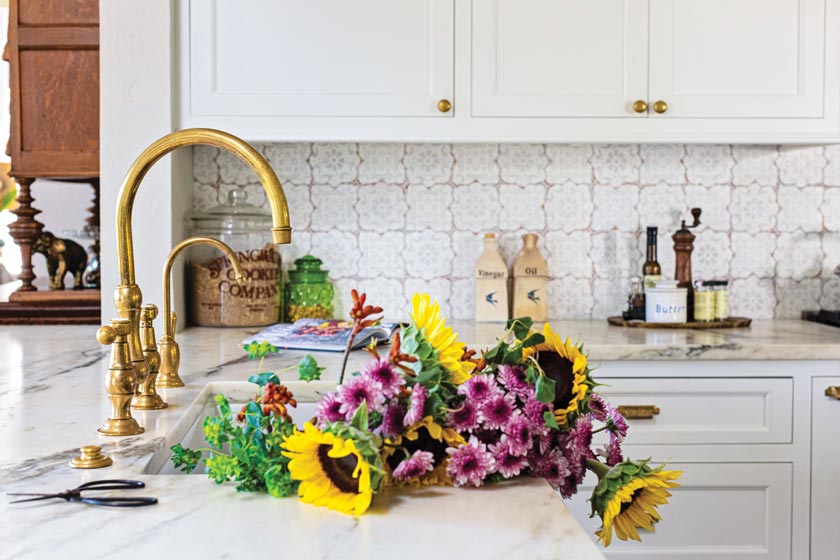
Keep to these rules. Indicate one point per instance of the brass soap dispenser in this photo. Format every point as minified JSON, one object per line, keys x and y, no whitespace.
{"x":683,"y":247}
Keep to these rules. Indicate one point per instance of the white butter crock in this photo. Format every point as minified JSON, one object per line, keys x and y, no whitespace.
{"x":666,"y":303}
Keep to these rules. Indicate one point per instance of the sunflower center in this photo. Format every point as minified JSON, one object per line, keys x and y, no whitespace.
{"x":424,"y":442}
{"x":561,"y":371}
{"x":339,"y":469}
{"x":626,"y":505}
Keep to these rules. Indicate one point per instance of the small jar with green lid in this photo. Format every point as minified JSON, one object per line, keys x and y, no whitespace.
{"x":309,"y":292}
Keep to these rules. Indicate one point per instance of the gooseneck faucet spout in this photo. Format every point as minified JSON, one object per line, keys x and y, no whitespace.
{"x":128,"y":297}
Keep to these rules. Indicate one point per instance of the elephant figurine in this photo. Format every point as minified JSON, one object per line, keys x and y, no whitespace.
{"x":63,"y":256}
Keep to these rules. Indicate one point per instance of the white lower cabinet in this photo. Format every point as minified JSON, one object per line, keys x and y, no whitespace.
{"x":825,"y":469}
{"x":721,"y":511}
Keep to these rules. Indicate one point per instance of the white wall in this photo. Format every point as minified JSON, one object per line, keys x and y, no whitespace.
{"x":136,"y":108}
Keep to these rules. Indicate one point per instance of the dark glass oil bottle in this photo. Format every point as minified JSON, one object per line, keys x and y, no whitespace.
{"x":651,"y":271}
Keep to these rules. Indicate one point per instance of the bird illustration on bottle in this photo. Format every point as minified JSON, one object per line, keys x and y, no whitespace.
{"x":490,"y":299}
{"x":532,"y":295}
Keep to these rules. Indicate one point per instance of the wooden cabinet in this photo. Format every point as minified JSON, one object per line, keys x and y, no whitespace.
{"x":542,"y":58}
{"x":321,"y":58}
{"x":825,"y":471}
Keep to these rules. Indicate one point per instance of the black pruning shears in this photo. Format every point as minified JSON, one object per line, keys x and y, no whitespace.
{"x":75,"y":495}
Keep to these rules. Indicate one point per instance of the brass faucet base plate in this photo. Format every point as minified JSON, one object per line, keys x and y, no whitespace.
{"x":127,"y":427}
{"x":148,"y":402}
{"x":91,"y":458}
{"x":169,"y":382}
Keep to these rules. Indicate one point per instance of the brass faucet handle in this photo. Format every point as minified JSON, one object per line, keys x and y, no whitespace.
{"x":121,"y":380}
{"x":149,"y":312}
{"x":106,"y":335}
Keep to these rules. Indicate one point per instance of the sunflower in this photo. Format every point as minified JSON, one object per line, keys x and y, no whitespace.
{"x":331,"y":471}
{"x":425,"y":435}
{"x":426,"y":317}
{"x":627,"y":496}
{"x":565,"y":364}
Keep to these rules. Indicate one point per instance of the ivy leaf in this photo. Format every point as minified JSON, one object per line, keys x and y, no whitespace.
{"x":185,"y":458}
{"x":545,"y":389}
{"x":521,"y":327}
{"x":360,"y":417}
{"x":262,"y":379}
{"x":259,"y":350}
{"x":550,"y":420}
{"x":309,"y":370}
{"x":513,"y":357}
{"x":533,"y":340}
{"x":531,"y":375}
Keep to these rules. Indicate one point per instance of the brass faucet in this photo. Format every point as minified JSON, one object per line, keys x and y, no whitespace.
{"x":170,"y":353}
{"x":128,"y":297}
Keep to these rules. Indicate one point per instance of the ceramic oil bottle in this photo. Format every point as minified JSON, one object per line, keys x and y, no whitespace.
{"x":491,"y":283}
{"x":530,"y":281}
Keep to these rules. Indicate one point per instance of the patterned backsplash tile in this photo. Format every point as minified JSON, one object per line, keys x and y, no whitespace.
{"x":393,"y":219}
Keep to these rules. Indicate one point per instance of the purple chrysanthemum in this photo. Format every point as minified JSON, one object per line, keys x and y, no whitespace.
{"x":575,"y":448}
{"x":555,"y":469}
{"x":519,"y":434}
{"x":416,"y":405}
{"x":598,"y":407}
{"x":534,"y":411}
{"x":508,"y":463}
{"x":465,"y":418}
{"x":612,"y":453}
{"x":616,"y":423}
{"x":415,"y":466}
{"x":357,"y":390}
{"x":497,"y":410}
{"x":392,"y":419}
{"x":470,"y":463}
{"x":513,"y":378}
{"x":386,"y":375}
{"x":479,"y":388}
{"x":581,"y":434}
{"x":329,"y":409}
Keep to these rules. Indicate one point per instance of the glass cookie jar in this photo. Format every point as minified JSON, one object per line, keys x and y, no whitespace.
{"x":309,"y":293}
{"x":216,"y":299}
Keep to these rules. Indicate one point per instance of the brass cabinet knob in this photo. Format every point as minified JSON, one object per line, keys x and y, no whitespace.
{"x":660,"y":106}
{"x":639,"y":106}
{"x":833,"y":392}
{"x":444,"y":105}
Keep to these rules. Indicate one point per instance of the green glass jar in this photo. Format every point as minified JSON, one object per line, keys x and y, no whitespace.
{"x":309,"y":292}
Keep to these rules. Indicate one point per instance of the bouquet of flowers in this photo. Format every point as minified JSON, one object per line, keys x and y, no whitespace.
{"x":432,"y":412}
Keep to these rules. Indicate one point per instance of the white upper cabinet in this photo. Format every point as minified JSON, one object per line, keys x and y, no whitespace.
{"x":738,"y":58}
{"x":716,"y":71}
{"x":320,"y":58}
{"x":543,"y":58}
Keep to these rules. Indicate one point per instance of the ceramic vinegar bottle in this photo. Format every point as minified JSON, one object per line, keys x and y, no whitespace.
{"x":530,"y":281}
{"x":491,"y":283}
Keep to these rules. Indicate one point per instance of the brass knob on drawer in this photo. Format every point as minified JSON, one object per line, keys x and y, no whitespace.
{"x":833,"y":392}
{"x":639,"y":106}
{"x":638,"y":411}
{"x":444,"y":105}
{"x":660,"y":106}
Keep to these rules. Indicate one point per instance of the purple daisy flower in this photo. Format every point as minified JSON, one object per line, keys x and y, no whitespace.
{"x":465,"y":418}
{"x":598,"y":407}
{"x":519,"y":434}
{"x":329,"y":409}
{"x":616,"y":424}
{"x":513,"y":378}
{"x":554,"y":468}
{"x":357,"y":390}
{"x":508,"y":463}
{"x":470,"y":463}
{"x":497,"y":410}
{"x":612,"y":453}
{"x":392,"y":419}
{"x":416,"y":405}
{"x":415,"y":466}
{"x":479,"y":388}
{"x":386,"y":375}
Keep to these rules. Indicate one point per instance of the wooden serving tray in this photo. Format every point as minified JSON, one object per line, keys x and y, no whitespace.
{"x":731,"y":323}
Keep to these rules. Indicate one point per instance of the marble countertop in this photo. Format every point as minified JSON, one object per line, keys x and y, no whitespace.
{"x":52,"y":399}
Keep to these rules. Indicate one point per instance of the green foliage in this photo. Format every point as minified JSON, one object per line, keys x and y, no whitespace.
{"x":550,"y":420}
{"x":245,"y":448}
{"x":262,"y":379}
{"x":309,"y":370}
{"x":511,"y":353}
{"x":259,"y":349}
{"x":545,"y":389}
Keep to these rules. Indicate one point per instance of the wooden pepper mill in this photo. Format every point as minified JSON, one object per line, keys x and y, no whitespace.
{"x":683,"y":247}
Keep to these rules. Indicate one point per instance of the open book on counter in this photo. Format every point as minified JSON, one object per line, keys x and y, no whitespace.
{"x":321,"y":334}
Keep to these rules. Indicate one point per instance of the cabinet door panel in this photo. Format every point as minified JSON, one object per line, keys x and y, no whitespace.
{"x":737,"y":58}
{"x":825,"y":471}
{"x":321,"y":57}
{"x":543,"y":58}
{"x":721,"y":511}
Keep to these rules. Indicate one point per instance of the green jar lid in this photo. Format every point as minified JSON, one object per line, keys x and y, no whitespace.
{"x":308,"y":271}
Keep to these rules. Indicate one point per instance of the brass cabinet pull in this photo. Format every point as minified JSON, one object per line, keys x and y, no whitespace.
{"x":660,"y":106}
{"x":640,"y":106}
{"x":638,"y":411}
{"x":444,"y":105}
{"x":833,"y":392}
